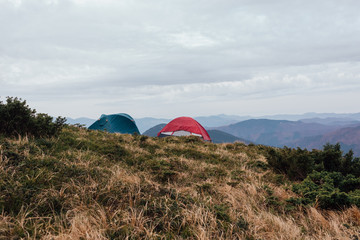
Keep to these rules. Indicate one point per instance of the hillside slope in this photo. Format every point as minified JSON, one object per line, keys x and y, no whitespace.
{"x":95,"y":185}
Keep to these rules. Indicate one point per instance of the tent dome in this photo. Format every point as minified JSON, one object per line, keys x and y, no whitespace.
{"x":116,"y":123}
{"x":184,"y":126}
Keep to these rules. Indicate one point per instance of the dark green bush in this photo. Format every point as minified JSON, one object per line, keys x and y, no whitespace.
{"x":333,"y":200}
{"x":330,"y":190}
{"x":330,"y":179}
{"x":17,"y":118}
{"x":295,"y":163}
{"x":298,"y":163}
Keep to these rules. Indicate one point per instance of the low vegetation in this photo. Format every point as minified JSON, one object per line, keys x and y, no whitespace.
{"x":82,"y":184}
{"x":329,"y":178}
{"x":86,"y":184}
{"x":18,"y":119}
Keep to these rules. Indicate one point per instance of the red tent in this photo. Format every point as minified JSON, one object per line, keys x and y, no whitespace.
{"x":184,"y":126}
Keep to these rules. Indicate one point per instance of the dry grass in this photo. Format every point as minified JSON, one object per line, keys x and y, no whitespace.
{"x":146,"y":188}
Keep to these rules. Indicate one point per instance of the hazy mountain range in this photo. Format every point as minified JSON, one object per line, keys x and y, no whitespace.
{"x":308,"y":135}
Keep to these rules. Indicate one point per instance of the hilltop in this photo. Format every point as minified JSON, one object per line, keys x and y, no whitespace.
{"x":86,"y":184}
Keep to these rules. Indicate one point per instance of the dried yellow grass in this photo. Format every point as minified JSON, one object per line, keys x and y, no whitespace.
{"x":131,"y":193}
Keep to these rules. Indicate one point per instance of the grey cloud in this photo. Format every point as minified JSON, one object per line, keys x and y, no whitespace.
{"x":188,"y":49}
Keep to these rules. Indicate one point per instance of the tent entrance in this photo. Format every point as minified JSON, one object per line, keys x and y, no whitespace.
{"x":179,"y":133}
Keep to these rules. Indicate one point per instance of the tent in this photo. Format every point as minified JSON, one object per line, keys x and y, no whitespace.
{"x":116,"y":123}
{"x":184,"y":126}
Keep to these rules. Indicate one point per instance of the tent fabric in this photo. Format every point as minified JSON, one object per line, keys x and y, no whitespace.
{"x":116,"y":123}
{"x":184,"y":126}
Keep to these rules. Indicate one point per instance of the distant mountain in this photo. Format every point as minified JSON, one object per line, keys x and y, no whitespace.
{"x":348,"y":137}
{"x":331,"y":121}
{"x":308,"y":135}
{"x":144,"y":124}
{"x":275,"y":132}
{"x":220,"y":120}
{"x":296,"y":117}
{"x":215,"y":121}
{"x":83,"y":120}
{"x":152,"y":132}
{"x":218,"y":136}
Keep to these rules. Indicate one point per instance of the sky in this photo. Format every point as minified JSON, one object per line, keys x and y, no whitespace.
{"x":162,"y":58}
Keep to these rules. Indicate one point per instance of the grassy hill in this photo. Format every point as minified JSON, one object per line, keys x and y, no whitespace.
{"x":94,"y":185}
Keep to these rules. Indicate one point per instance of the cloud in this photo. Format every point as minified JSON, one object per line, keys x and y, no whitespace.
{"x":192,"y":40}
{"x":176,"y":52}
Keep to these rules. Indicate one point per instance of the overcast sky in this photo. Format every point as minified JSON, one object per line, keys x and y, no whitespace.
{"x":167,"y":58}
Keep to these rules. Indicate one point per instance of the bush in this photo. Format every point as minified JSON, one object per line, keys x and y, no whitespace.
{"x":330,"y":179}
{"x":17,"y":118}
{"x":295,"y":163}
{"x":298,"y":163}
{"x":331,"y":190}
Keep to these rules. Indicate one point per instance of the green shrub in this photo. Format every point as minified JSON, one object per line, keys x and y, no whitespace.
{"x":330,"y":190}
{"x":333,"y":200}
{"x":331,"y":157}
{"x":298,"y":163}
{"x":259,"y":166}
{"x":17,"y":118}
{"x":295,"y":163}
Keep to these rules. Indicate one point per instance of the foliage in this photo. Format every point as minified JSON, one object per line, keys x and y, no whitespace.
{"x":330,"y":190}
{"x":295,"y":163}
{"x":298,"y":163}
{"x":330,"y":179}
{"x":17,"y":118}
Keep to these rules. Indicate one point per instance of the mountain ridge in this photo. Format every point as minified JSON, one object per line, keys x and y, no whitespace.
{"x":281,"y":133}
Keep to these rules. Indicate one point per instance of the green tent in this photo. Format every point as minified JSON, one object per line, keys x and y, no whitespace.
{"x":116,"y":123}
